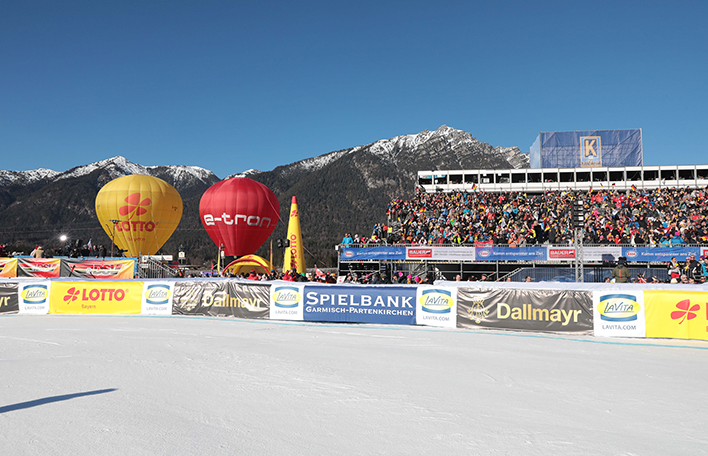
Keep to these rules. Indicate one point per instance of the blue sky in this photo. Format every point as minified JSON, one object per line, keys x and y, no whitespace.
{"x":230,"y":86}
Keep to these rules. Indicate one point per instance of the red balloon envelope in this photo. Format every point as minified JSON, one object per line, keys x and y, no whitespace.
{"x":239,"y":214}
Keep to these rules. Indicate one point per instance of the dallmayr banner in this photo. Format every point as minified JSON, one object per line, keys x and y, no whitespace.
{"x":82,"y":297}
{"x":38,"y":267}
{"x":356,"y":304}
{"x":221,"y":297}
{"x":8,"y":267}
{"x":34,"y":297}
{"x":98,"y":269}
{"x":677,"y":314}
{"x":8,"y":297}
{"x":286,"y":301}
{"x":619,"y":314}
{"x":436,"y":306}
{"x":529,"y":310}
{"x":157,"y":298}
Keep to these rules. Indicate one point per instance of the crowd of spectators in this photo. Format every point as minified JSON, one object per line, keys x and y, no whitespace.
{"x":666,"y":217}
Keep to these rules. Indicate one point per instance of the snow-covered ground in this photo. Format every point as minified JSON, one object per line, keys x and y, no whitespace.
{"x":113,"y":385}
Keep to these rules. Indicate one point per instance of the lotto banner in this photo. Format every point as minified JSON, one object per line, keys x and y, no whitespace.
{"x":34,"y":297}
{"x":38,"y":267}
{"x":436,"y":306}
{"x":8,"y":297}
{"x":357,"y":304}
{"x":98,"y":269}
{"x":157,"y":298}
{"x":8,"y":267}
{"x":286,"y":301}
{"x":618,"y":314}
{"x":529,"y":310}
{"x":81,"y":297}
{"x":212,"y":297}
{"x":677,"y":314}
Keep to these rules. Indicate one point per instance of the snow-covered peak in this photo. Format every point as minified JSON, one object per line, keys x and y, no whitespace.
{"x":248,"y":172}
{"x":116,"y":167}
{"x":26,"y":177}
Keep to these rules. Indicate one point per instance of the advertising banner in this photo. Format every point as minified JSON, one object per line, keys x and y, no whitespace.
{"x":590,"y":148}
{"x":34,"y":297}
{"x":38,"y":267}
{"x":511,"y":253}
{"x":157,"y":298}
{"x":98,"y":269}
{"x":601,"y":254}
{"x":659,"y":254}
{"x":82,"y":297}
{"x":8,"y":267}
{"x":8,"y":297}
{"x":207,"y":297}
{"x":560,"y":253}
{"x":619,"y":314}
{"x":436,"y":306}
{"x":677,"y":314}
{"x":441,"y":253}
{"x":373,"y":253}
{"x":529,"y":310}
{"x":356,"y":304}
{"x":286,"y":302}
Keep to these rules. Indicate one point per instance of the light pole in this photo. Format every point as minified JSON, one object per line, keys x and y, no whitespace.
{"x":114,"y":222}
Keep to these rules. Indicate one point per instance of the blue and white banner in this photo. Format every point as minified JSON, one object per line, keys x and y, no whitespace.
{"x":511,"y":253}
{"x":286,"y":302}
{"x":618,"y":314}
{"x":157,"y":298}
{"x":357,"y":304}
{"x":373,"y":253}
{"x":436,"y":306}
{"x":656,"y":254}
{"x":33,"y":297}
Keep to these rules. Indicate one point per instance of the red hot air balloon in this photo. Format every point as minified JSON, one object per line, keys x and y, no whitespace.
{"x":239,"y":214}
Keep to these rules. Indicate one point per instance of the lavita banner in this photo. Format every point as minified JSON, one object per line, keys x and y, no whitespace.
{"x":529,"y":310}
{"x":34,"y":297}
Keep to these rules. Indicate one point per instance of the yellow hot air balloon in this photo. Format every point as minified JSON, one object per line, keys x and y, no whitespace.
{"x":141,"y":211}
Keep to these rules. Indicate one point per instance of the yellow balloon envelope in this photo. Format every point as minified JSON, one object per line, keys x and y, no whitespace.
{"x":142,"y":211}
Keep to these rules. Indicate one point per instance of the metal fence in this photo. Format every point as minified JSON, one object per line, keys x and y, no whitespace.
{"x":590,"y":274}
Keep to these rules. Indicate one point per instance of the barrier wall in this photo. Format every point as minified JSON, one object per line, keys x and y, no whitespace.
{"x":603,"y":310}
{"x":561,"y":254}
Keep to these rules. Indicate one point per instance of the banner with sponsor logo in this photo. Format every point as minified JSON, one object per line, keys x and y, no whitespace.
{"x":38,"y":267}
{"x":83,"y":297}
{"x":202,"y":297}
{"x":601,"y":254}
{"x":436,"y":306}
{"x":441,"y":253}
{"x":8,"y":297}
{"x":677,"y":314}
{"x":8,"y":267}
{"x":373,"y":253}
{"x":619,"y":314}
{"x":530,"y":310}
{"x":34,"y":297}
{"x":511,"y":253}
{"x":98,"y":269}
{"x":157,"y":298}
{"x":656,"y":254}
{"x":286,"y":302}
{"x":560,"y":253}
{"x":356,"y":304}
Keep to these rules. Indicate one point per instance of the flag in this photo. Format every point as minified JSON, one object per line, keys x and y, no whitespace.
{"x":89,"y":245}
{"x":474,"y":187}
{"x":634,"y":188}
{"x":319,"y":273}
